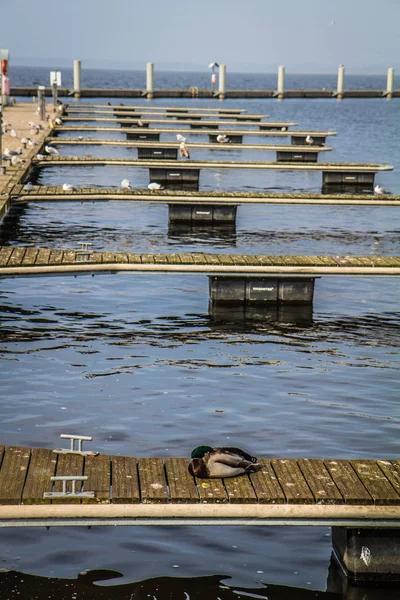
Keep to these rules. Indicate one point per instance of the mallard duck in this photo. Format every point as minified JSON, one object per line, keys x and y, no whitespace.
{"x":209,"y":462}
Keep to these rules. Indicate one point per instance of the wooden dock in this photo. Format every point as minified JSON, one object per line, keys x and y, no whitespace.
{"x":156,"y":107}
{"x":73,"y":113}
{"x":228,"y":132}
{"x":23,"y":261}
{"x":43,"y":193}
{"x":157,"y":491}
{"x":192,"y":123}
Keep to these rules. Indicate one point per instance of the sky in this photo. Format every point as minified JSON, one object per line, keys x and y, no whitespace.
{"x":306,"y":36}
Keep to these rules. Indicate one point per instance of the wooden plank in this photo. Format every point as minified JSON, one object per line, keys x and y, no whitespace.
{"x":56,"y":257}
{"x":153,"y":484}
{"x":134,"y":258}
{"x":147,"y":259}
{"x":98,"y":470}
{"x":68,"y":464}
{"x":125,"y":480}
{"x":292,"y":481}
{"x":240,"y":490}
{"x":1,"y":454}
{"x":69,"y":257}
{"x":30,"y":257}
{"x":121,"y":257}
{"x":392,"y":472}
{"x":13,"y":473}
{"x":43,"y":257}
{"x":5,"y":253}
{"x":266,"y":485}
{"x":375,"y":481}
{"x":41,"y":467}
{"x":161,"y":259}
{"x":16,"y":257}
{"x":181,"y":485}
{"x":174,"y":259}
{"x":319,"y":481}
{"x":109,"y":257}
{"x":211,"y":491}
{"x":347,"y":482}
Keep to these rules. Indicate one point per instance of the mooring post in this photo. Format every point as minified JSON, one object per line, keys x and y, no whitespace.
{"x":222,"y":82}
{"x":149,"y":80}
{"x":77,"y":78}
{"x":54,"y":90}
{"x":41,"y":102}
{"x":340,"y":83}
{"x":281,"y":83}
{"x":390,"y":83}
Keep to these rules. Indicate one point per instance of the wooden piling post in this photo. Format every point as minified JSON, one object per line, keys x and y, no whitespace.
{"x":340,"y":83}
{"x":41,"y":103}
{"x":281,"y":83}
{"x":77,"y":78}
{"x":149,"y":80}
{"x":390,"y":83}
{"x":222,"y":82}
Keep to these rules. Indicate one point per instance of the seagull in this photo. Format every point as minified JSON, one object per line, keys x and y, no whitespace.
{"x":13,"y":133}
{"x":223,"y":139}
{"x":28,"y":187}
{"x":283,"y":128}
{"x":380,"y":190}
{"x":52,"y":151}
{"x":154,"y":186}
{"x":24,"y":140}
{"x":40,"y":156}
{"x":80,"y":137}
{"x":126,"y":184}
{"x":140,"y":123}
{"x":180,"y":138}
{"x":16,"y":160}
{"x":184,"y":150}
{"x":67,"y":187}
{"x":309,"y":140}
{"x":58,"y":121}
{"x":9,"y":153}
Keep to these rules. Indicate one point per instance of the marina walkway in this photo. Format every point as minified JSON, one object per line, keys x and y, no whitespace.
{"x":158,"y":491}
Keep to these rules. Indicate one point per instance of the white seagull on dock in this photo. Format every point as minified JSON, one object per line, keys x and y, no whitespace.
{"x":52,"y":151}
{"x":28,"y":187}
{"x":223,"y":139}
{"x":13,"y":133}
{"x":180,"y":138}
{"x":40,"y":156}
{"x":184,"y":150}
{"x":67,"y":187}
{"x":309,"y":140}
{"x":126,"y":184}
{"x":153,"y":187}
{"x":58,"y":121}
{"x":380,"y":191}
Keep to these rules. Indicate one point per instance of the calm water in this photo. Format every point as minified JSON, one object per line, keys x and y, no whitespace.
{"x":141,"y":363}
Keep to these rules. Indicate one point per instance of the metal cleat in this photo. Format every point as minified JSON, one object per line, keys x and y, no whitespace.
{"x":65,"y":493}
{"x":83,"y":254}
{"x":72,"y":450}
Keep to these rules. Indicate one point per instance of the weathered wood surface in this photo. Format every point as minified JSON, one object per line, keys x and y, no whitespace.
{"x":54,"y":194}
{"x":68,"y":260}
{"x":128,"y":107}
{"x":212,"y":164}
{"x":175,"y":121}
{"x":209,"y":145}
{"x":266,"y":132}
{"x":25,"y":475}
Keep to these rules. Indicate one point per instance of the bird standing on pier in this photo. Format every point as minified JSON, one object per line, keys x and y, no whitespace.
{"x":309,"y":140}
{"x":67,"y":187}
{"x":180,"y":138}
{"x":58,"y":121}
{"x":28,"y":187}
{"x":13,"y":133}
{"x":380,"y":191}
{"x":184,"y":150}
{"x":126,"y":184}
{"x":209,"y":462}
{"x":52,"y":151}
{"x":223,"y":139}
{"x":140,"y":123}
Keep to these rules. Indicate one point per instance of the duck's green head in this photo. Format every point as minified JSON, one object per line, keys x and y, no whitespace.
{"x":200,"y":451}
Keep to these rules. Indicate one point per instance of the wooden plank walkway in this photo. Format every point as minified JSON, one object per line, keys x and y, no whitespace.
{"x":228,"y":132}
{"x":209,"y":145}
{"x":57,"y":194}
{"x":172,"y":121}
{"x":19,"y":261}
{"x":73,"y":114}
{"x":212,"y":164}
{"x":307,"y":488}
{"x":147,"y":106}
